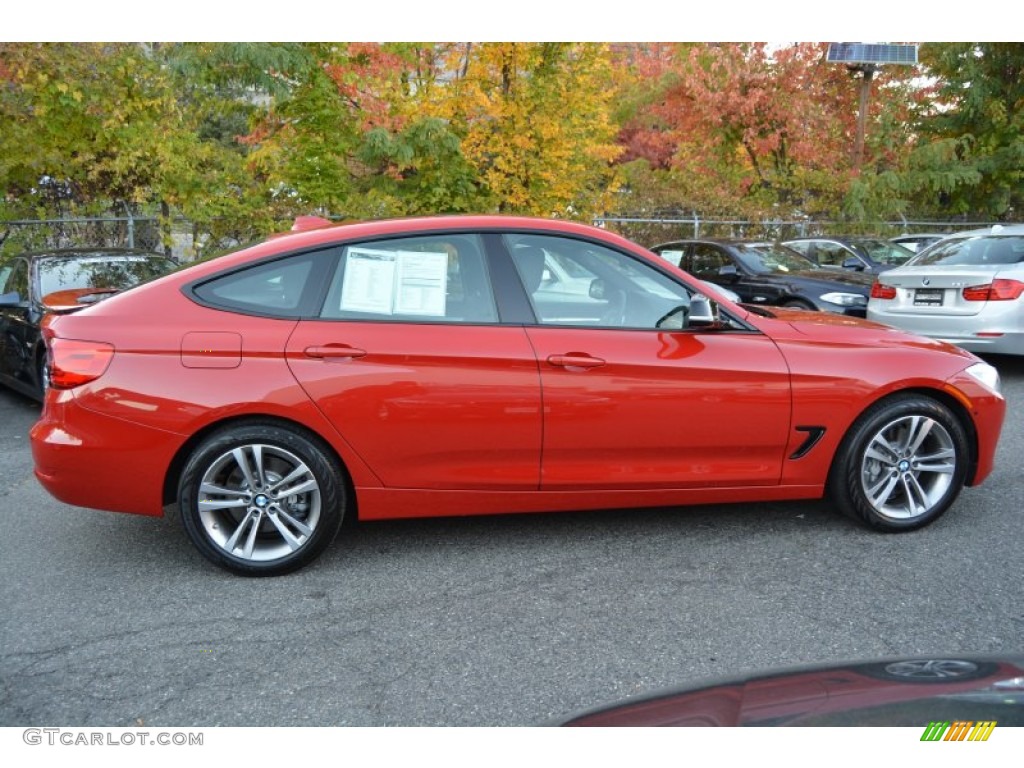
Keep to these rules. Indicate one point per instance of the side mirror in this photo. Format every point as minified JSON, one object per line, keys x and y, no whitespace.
{"x":854,"y":264}
{"x":598,"y":289}
{"x":703,"y":311}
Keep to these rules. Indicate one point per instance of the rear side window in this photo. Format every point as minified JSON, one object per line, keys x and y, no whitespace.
{"x":433,"y":278}
{"x":286,"y":287}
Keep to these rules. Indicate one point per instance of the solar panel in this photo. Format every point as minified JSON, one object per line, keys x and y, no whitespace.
{"x":872,"y":53}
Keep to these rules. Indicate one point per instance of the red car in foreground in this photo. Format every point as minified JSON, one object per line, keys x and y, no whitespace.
{"x":436,"y":366}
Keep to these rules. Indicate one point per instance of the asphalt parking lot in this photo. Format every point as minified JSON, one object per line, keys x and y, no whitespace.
{"x":114,"y":620}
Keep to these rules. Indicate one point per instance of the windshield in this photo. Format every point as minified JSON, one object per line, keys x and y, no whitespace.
{"x":766,"y":257}
{"x":974,"y":250}
{"x":99,"y":271}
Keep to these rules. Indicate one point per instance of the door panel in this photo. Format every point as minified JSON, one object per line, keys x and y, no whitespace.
{"x":427,"y":406}
{"x":663,"y":409}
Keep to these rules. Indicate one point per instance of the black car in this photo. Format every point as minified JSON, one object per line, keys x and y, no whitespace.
{"x":852,"y":252}
{"x":768,"y":273}
{"x":79,"y":277}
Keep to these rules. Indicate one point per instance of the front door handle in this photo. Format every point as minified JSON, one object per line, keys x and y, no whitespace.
{"x":334,"y":352}
{"x":575,"y":360}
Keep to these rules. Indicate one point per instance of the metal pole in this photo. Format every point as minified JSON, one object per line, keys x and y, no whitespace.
{"x":131,"y":225}
{"x":868,"y":72}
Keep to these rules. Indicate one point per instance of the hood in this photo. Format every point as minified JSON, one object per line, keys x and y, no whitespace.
{"x":829,"y":328}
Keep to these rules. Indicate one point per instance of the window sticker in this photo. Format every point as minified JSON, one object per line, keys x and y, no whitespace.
{"x":395,"y":282}
{"x":422,"y":283}
{"x":369,"y":281}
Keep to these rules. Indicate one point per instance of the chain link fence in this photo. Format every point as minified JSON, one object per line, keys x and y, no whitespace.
{"x":184,"y":240}
{"x":654,"y":230}
{"x":177,"y":236}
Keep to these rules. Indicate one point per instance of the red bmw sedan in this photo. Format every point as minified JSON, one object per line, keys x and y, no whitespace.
{"x":481,"y":365}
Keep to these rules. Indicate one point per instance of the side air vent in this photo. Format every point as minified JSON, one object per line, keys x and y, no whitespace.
{"x":813,"y":436}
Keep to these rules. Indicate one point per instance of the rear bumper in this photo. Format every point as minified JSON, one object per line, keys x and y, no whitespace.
{"x":91,"y":460}
{"x":963,"y":330}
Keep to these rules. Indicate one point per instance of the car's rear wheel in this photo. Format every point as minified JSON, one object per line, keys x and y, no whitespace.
{"x":261,"y":500}
{"x":901,"y":465}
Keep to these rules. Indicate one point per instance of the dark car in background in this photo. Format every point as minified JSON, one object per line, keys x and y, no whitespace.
{"x":68,"y":279}
{"x":769,"y":273}
{"x":859,"y":254}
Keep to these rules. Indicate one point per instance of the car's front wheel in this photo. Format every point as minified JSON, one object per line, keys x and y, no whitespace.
{"x":901,"y":465}
{"x":261,"y":500}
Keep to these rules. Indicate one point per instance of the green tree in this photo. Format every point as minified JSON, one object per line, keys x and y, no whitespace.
{"x":970,"y":159}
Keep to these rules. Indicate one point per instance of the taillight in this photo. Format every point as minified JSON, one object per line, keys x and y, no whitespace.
{"x":879,"y":291}
{"x":997,"y":290}
{"x":74,"y":363}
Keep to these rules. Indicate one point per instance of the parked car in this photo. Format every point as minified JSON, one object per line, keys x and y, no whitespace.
{"x":768,"y":273}
{"x":966,"y":290}
{"x":925,"y":693}
{"x":860,"y":254}
{"x":33,"y":285}
{"x":416,"y":368}
{"x":918,"y":242}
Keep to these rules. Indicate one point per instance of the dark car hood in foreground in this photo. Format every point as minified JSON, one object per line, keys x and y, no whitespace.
{"x":909,"y":692}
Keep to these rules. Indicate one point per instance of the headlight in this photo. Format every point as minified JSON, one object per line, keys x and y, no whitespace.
{"x":845,"y":299}
{"x":987,"y":375}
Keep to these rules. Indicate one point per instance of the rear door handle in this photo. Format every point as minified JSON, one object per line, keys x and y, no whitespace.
{"x":575,"y":360}
{"x":334,"y":352}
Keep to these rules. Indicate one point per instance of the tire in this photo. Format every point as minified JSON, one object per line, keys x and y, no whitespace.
{"x":901,"y":465}
{"x":261,"y":500}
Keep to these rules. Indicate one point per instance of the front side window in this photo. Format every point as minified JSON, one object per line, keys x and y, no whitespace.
{"x":884,"y":252}
{"x":707,"y":262}
{"x":579,"y":283}
{"x":432,"y":278}
{"x":831,"y":254}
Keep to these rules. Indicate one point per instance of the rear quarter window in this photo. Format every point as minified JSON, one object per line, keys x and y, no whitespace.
{"x":288,"y":287}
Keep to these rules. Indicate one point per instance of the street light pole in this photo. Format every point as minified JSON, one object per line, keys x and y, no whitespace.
{"x":867,"y":74}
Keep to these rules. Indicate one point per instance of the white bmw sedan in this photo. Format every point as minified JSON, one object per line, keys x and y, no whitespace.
{"x":966,"y":289}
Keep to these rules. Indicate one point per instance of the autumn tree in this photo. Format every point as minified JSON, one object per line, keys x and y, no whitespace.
{"x":535,"y":121}
{"x":754,"y":129}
